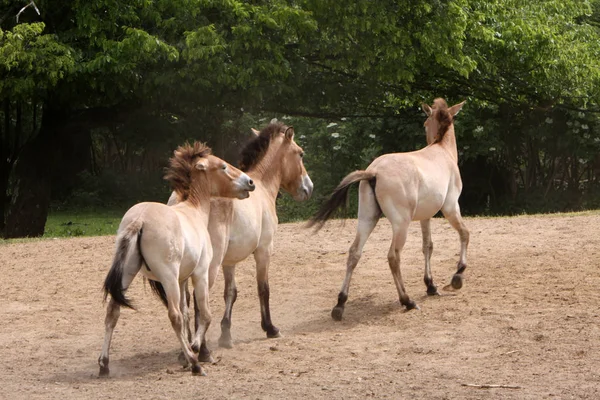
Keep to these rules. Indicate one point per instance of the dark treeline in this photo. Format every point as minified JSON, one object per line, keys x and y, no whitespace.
{"x":94,"y":96}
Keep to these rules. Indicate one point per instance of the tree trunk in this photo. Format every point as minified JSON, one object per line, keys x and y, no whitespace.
{"x":30,"y":200}
{"x":28,"y":208}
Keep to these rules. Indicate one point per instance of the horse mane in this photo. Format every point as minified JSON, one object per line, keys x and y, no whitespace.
{"x":256,"y":148}
{"x":181,"y":165}
{"x":443,"y":117}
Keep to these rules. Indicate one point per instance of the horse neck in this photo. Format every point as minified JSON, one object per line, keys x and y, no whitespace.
{"x":448,"y":142}
{"x":268,"y":172}
{"x":199,"y":196}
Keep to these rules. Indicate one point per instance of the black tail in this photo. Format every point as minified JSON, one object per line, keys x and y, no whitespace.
{"x":338,"y":197}
{"x":159,"y":291}
{"x":113,"y":283}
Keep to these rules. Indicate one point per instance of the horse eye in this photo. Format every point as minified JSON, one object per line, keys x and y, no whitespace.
{"x":302,"y":155}
{"x":224,"y":167}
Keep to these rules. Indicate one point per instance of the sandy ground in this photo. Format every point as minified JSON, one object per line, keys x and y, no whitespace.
{"x":528,"y":316}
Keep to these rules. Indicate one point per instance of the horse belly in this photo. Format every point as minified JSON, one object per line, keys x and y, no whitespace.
{"x":428,"y":206}
{"x":240,"y":247}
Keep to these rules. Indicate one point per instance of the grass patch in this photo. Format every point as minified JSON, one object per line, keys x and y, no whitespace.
{"x":82,"y":223}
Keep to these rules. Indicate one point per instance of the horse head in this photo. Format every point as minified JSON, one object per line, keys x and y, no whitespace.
{"x":191,"y":161}
{"x":439,"y":119}
{"x":294,"y":178}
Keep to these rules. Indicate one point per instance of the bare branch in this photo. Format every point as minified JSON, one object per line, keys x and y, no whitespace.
{"x":31,"y":3}
{"x":491,"y":386}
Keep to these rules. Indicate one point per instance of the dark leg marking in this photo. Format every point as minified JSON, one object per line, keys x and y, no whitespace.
{"x":225,"y":338}
{"x":431,"y":288}
{"x":104,"y":371}
{"x":409,"y":304}
{"x":265,"y":323}
{"x":197,"y":370}
{"x":204,"y":354}
{"x":457,"y":279}
{"x":338,"y":310}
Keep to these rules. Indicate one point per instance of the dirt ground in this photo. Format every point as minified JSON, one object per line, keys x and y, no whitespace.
{"x":528,"y":316}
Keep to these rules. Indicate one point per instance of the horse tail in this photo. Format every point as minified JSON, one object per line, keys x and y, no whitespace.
{"x":339,"y":197}
{"x":159,"y":291}
{"x":124,"y":257}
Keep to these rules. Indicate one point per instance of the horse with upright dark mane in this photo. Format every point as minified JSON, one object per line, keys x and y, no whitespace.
{"x":406,"y":187}
{"x":169,"y":245}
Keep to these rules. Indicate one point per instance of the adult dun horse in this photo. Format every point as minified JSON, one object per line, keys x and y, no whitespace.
{"x":171,"y":244}
{"x":406,"y":187}
{"x":240,"y":228}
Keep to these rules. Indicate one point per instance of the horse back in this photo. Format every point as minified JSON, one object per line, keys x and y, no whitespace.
{"x":414,"y":185}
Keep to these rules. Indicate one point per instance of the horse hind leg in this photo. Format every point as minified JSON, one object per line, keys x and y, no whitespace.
{"x":398,"y":241}
{"x":113,"y":311}
{"x":455,"y":219}
{"x":368,"y":216}
{"x":230,"y":296}
{"x":427,"y":251}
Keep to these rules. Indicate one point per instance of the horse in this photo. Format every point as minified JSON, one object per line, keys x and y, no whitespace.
{"x":406,"y":187}
{"x":171,"y":244}
{"x":240,"y":228}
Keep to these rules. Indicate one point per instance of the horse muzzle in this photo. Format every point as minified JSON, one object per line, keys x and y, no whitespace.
{"x":245,"y":185}
{"x":305,"y":190}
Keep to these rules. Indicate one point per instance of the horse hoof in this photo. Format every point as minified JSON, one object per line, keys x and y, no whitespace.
{"x":274,"y":333}
{"x":457,"y":281}
{"x":337,"y":313}
{"x":198,"y":371}
{"x":195,"y":348}
{"x":432,"y":291}
{"x":411,"y":305}
{"x":204,"y":356}
{"x":104,"y":372}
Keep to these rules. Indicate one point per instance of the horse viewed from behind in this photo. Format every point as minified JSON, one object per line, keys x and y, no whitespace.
{"x":406,"y":187}
{"x":171,"y":244}
{"x":240,"y":228}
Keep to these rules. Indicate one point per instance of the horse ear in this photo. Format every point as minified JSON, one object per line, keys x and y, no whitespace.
{"x":289,"y":133}
{"x":456,"y":108}
{"x":256,"y":132}
{"x":202,"y":164}
{"x":426,"y":109}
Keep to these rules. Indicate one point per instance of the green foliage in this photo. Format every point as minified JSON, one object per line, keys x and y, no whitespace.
{"x":31,"y":62}
{"x":140,"y":77}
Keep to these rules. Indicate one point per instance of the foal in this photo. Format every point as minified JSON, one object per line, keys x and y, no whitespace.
{"x":171,"y":244}
{"x":406,"y":187}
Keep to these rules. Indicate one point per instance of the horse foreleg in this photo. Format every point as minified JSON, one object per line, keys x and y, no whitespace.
{"x":455,"y":219}
{"x":172,"y":291}
{"x":262,"y":258}
{"x":230,"y":296}
{"x":203,"y":315}
{"x":427,"y":251}
{"x":368,"y":216}
{"x":398,"y":241}
{"x":184,"y":305}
